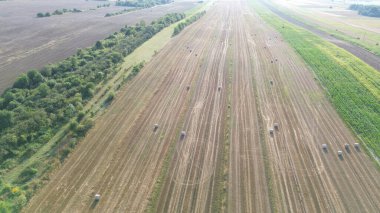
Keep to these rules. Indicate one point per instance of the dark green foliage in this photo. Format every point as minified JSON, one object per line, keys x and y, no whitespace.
{"x":58,"y":12}
{"x":103,"y":5}
{"x":188,"y":21}
{"x":31,"y":80}
{"x":87,"y":91}
{"x":75,"y":10}
{"x":22,"y":82}
{"x":5,"y":119}
{"x":73,"y":125}
{"x":34,"y":78}
{"x":109,"y":99}
{"x":83,"y":128}
{"x":366,"y":10}
{"x":27,"y":174}
{"x":136,"y":69}
{"x":120,"y":12}
{"x":80,"y":116}
{"x":43,"y":90}
{"x":98,"y":45}
{"x":116,"y":57}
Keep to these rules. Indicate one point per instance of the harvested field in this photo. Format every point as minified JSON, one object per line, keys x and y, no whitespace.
{"x":227,"y":160}
{"x":28,"y":42}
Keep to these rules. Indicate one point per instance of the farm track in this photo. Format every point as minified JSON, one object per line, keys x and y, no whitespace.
{"x":121,"y":157}
{"x":191,"y":184}
{"x":248,"y":185}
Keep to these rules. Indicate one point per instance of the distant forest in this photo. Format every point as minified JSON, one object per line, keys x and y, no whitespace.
{"x":141,"y":3}
{"x":366,"y":10}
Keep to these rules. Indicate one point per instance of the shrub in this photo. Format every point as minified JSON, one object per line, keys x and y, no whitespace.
{"x":27,"y":174}
{"x":5,"y":119}
{"x":22,"y":82}
{"x":83,"y":128}
{"x":109,"y":99}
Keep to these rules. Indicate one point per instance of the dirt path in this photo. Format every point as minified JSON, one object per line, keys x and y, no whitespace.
{"x":248,"y":185}
{"x":368,"y":57}
{"x":191,"y":183}
{"x":122,"y":156}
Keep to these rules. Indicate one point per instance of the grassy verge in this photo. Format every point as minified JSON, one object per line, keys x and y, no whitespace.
{"x":352,"y":86}
{"x":220,"y":201}
{"x":164,"y":173}
{"x":268,"y":169}
{"x":158,"y":186}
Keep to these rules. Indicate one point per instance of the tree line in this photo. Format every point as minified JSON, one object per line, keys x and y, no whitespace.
{"x":41,"y":102}
{"x":366,"y":10}
{"x":188,"y":21}
{"x":120,"y":12}
{"x":141,"y":3}
{"x":58,"y":12}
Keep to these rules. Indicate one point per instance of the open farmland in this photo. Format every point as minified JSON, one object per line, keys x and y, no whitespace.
{"x":28,"y":42}
{"x":335,"y":22}
{"x":354,"y":45}
{"x":352,"y":85}
{"x":242,"y":79}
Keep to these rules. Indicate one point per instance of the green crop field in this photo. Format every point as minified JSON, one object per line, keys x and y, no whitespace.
{"x":351,"y":85}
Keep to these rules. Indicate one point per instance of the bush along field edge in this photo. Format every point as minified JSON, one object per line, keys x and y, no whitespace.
{"x":352,"y":86}
{"x":54,"y":104}
{"x":181,"y":25}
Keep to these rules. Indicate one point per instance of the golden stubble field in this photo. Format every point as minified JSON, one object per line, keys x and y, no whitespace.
{"x":242,"y":79}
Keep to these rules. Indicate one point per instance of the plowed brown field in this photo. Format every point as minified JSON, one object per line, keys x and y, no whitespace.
{"x":232,"y":49}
